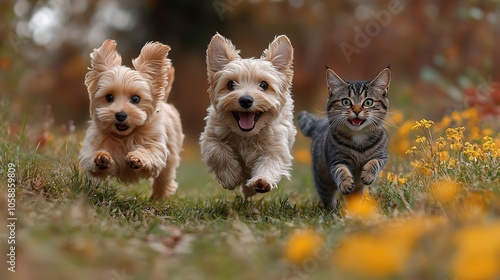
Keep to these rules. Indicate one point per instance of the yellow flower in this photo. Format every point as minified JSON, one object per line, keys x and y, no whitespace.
{"x":473,"y":207}
{"x":368,"y":255}
{"x":303,"y":244}
{"x":472,"y":115}
{"x":444,"y":191}
{"x":399,"y":142}
{"x":452,"y":163}
{"x":478,"y":252}
{"x":421,"y":168}
{"x":422,"y":124}
{"x":443,"y":156}
{"x":390,"y":176}
{"x":420,"y":139}
{"x":473,"y":152}
{"x":441,"y":143}
{"x":361,"y":206}
{"x":412,"y":151}
{"x":489,"y":147}
{"x":384,"y":252}
{"x":456,"y":117}
{"x":455,"y":134}
{"x":488,"y":131}
{"x":395,"y":179}
{"x":401,"y":180}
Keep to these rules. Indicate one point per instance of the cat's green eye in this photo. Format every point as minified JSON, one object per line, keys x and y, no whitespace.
{"x":368,"y":102}
{"x":346,"y":102}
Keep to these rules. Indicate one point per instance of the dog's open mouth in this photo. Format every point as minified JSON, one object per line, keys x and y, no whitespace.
{"x":247,"y":120}
{"x":121,"y":126}
{"x":357,"y":121}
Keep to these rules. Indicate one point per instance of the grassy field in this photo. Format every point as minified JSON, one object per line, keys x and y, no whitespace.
{"x":434,"y":213}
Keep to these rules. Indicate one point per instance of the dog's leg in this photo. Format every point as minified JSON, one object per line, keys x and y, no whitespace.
{"x":151,"y":158}
{"x":98,"y":164}
{"x":221,"y":160}
{"x":165,"y":184}
{"x":268,"y":170}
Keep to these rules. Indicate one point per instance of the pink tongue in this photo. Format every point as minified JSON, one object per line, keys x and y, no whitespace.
{"x":357,"y":122}
{"x":246,"y":120}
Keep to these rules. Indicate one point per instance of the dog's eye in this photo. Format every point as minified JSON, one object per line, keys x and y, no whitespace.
{"x":231,"y":85}
{"x":135,"y":99}
{"x":263,"y":85}
{"x":109,"y":98}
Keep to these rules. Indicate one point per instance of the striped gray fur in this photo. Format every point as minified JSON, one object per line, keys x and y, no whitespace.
{"x":349,"y":145}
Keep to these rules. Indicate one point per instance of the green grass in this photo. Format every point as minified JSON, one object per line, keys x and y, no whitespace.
{"x":72,"y":228}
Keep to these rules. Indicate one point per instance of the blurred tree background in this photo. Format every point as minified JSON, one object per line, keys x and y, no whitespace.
{"x":442,"y":53}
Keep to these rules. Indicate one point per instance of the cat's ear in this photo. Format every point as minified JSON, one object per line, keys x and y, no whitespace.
{"x":333,"y":80}
{"x":382,"y":80}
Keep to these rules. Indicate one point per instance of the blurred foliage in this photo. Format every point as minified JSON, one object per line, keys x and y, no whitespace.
{"x":441,"y":52}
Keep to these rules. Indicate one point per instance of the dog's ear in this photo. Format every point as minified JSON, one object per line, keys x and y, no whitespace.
{"x":280,"y":53}
{"x":220,"y":52}
{"x":154,"y":65}
{"x":101,"y":60}
{"x":170,"y":79}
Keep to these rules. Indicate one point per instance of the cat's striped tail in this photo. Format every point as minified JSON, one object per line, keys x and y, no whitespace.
{"x":309,"y":124}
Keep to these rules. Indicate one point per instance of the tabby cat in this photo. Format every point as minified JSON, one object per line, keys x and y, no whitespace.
{"x":349,"y":146}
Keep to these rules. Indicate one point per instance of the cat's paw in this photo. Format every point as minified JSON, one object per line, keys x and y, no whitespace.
{"x":134,"y":161}
{"x":369,"y":173}
{"x":347,"y":186}
{"x":260,"y":185}
{"x":103,"y":160}
{"x":368,"y":177}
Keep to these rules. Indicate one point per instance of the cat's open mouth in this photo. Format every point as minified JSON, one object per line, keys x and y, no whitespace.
{"x":121,"y":126}
{"x":247,"y":120}
{"x":357,"y":121}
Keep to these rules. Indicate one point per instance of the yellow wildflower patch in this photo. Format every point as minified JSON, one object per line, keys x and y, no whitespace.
{"x":444,"y":191}
{"x":478,"y":252}
{"x":302,"y":244}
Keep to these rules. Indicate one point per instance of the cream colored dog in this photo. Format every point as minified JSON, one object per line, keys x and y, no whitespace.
{"x":249,"y":128}
{"x":133,"y":132}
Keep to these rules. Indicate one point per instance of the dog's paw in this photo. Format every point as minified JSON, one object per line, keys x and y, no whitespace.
{"x":103,"y":160}
{"x":260,"y":185}
{"x":135,"y":162}
{"x":347,"y":186}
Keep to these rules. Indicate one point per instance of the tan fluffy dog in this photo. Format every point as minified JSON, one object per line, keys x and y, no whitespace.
{"x":249,"y":128}
{"x":133,"y":132}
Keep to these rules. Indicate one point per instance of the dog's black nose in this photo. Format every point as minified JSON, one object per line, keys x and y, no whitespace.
{"x":120,"y":116}
{"x":246,"y":101}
